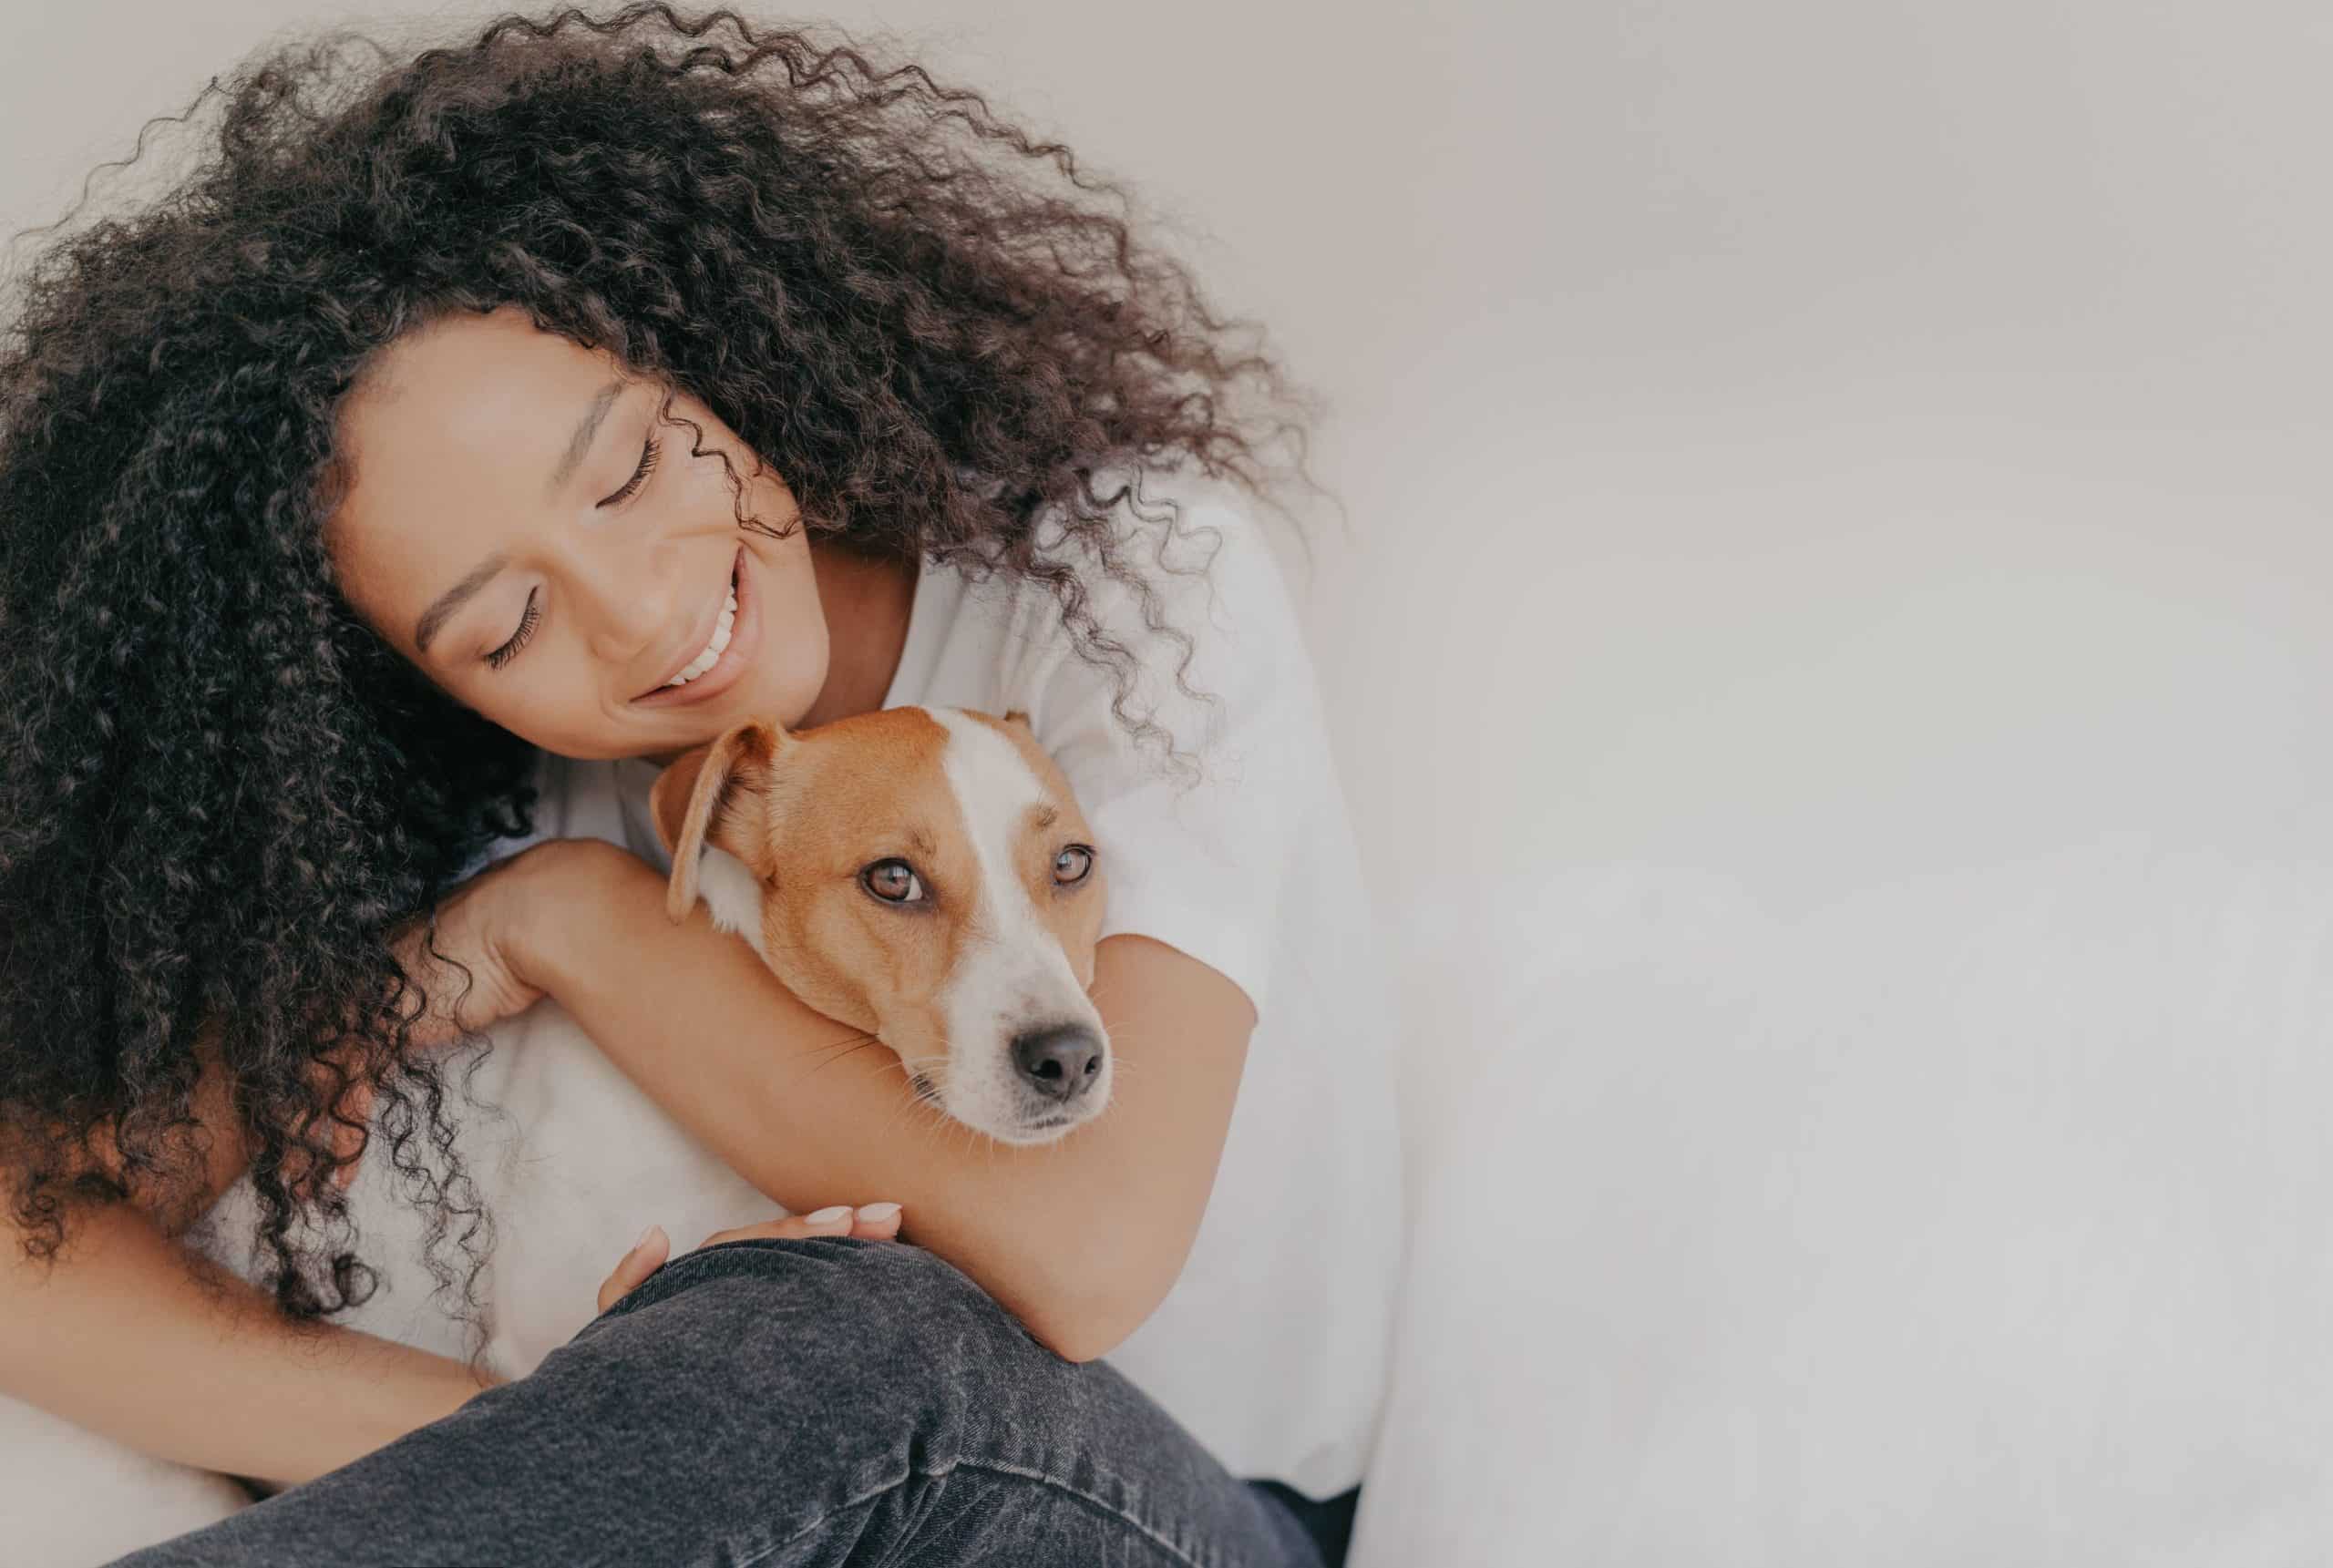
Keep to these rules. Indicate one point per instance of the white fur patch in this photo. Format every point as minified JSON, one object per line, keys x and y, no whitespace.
{"x":732,"y":894}
{"x":1018,"y":977}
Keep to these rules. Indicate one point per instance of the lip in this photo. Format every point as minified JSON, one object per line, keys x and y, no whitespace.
{"x":745,"y":638}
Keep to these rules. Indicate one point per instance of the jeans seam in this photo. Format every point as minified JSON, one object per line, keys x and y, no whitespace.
{"x":1120,"y":1514}
{"x":998,"y":1467}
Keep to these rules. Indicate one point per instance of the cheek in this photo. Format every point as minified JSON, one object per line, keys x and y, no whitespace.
{"x":794,"y":654}
{"x":555,"y":709}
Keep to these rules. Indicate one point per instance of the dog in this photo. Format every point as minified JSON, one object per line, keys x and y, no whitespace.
{"x":903,"y":871}
{"x":924,"y":875}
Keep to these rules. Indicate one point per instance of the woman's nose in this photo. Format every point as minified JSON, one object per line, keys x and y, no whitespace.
{"x":631,"y":604}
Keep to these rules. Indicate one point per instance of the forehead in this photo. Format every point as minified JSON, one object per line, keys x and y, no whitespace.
{"x":942,"y":779}
{"x":996,"y":784}
{"x":451,"y":439}
{"x":478,"y":382}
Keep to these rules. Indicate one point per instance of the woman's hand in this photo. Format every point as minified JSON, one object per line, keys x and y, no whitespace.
{"x":874,"y":1222}
{"x":468,"y":959}
{"x":468,"y":955}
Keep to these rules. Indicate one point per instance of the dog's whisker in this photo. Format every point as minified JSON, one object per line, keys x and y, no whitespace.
{"x":852,"y":1050}
{"x":905,"y":1108}
{"x":926,"y":1088}
{"x":901,"y":1110}
{"x":829,"y":1051}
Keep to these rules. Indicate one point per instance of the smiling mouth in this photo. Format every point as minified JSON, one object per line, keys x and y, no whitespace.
{"x":724,"y":626}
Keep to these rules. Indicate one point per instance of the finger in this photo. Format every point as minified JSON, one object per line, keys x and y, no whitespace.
{"x":835,"y":1221}
{"x":877,"y":1222}
{"x":647,"y":1256}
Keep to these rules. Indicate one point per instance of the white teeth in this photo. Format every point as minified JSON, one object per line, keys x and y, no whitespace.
{"x":712,"y":654}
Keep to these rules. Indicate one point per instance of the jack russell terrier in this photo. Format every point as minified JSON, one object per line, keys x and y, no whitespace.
{"x":923,"y":874}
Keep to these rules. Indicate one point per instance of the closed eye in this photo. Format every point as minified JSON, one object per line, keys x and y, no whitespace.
{"x":649,"y":453}
{"x":526,"y":623}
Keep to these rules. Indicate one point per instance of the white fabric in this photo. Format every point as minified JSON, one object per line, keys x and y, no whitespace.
{"x":1976,"y":1218}
{"x":72,"y":1499}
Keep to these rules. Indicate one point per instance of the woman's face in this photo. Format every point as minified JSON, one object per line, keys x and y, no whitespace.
{"x":520,"y":529}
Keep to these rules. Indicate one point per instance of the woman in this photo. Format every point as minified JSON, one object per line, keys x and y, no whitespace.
{"x":363,"y":504}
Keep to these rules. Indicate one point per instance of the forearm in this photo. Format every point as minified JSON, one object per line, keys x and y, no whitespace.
{"x":1064,"y":1234}
{"x":132,"y":1334}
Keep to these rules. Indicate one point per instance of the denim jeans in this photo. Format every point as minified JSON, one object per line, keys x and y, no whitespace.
{"x":781,"y":1404}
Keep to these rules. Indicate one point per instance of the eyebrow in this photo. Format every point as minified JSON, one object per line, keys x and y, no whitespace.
{"x":581,"y":442}
{"x":433,"y":620}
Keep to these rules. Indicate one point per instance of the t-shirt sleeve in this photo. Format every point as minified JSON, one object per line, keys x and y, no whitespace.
{"x":1198,"y":861}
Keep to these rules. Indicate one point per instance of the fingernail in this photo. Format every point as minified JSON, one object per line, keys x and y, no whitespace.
{"x":828,"y":1216}
{"x":878,"y":1211}
{"x":644,"y":1239}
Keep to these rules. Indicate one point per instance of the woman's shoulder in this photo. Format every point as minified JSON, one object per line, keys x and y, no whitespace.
{"x":1190,"y":537}
{"x":1186,"y":598}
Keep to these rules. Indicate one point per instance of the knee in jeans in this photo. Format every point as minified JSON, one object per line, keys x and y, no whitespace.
{"x":845,"y":1302}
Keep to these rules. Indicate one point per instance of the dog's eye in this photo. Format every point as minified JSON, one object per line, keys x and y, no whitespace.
{"x":1073,"y":865}
{"x":892,"y":881}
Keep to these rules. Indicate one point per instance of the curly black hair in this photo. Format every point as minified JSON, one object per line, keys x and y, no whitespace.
{"x":221,"y":794}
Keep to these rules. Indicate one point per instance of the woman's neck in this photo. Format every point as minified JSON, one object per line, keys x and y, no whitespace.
{"x":868,"y":603}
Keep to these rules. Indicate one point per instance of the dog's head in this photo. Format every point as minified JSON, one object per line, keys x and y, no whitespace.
{"x":923,"y":874}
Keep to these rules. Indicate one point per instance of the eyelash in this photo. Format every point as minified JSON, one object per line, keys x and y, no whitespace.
{"x":527,"y":622}
{"x":509,"y":651}
{"x":648,"y":457}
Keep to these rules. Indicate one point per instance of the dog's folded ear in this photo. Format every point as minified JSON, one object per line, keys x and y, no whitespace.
{"x":713,"y":796}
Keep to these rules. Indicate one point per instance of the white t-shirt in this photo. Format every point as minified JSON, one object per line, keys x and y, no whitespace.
{"x":1271,"y":1348}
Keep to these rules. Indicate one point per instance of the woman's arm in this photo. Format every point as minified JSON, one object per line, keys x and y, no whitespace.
{"x":132,"y":1334}
{"x":129,"y":1333}
{"x":1080,"y":1239}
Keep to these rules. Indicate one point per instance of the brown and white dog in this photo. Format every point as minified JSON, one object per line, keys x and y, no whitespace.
{"x":923,"y":874}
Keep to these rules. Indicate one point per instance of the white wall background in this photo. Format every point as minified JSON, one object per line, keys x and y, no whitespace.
{"x":1831,"y":693}
{"x":1759,"y":422}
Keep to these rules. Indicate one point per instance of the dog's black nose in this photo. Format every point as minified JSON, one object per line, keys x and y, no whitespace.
{"x":1060,"y":1060}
